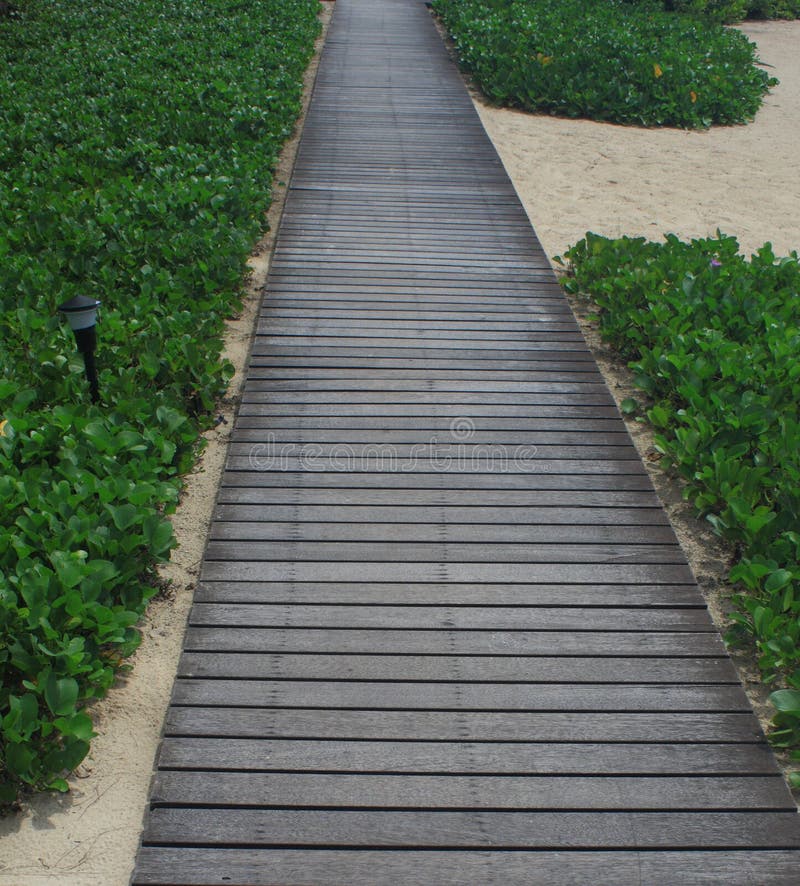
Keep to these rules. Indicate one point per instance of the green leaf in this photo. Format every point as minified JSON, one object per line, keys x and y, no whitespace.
{"x":787,"y":701}
{"x":777,"y":581}
{"x":124,"y":516}
{"x":22,"y":719}
{"x":78,"y":726}
{"x":67,"y":758}
{"x":61,"y":695}
{"x":659,"y":416}
{"x":158,"y":534}
{"x":69,"y":567}
{"x":59,"y":784}
{"x":8,"y":793}
{"x":19,"y":759}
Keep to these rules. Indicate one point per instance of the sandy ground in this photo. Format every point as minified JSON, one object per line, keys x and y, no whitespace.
{"x":576,"y":175}
{"x":572,"y":176}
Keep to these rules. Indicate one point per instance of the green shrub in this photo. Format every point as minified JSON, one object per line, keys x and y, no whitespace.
{"x":713,"y":339}
{"x":137,"y":140}
{"x":725,"y":11}
{"x":606,"y":60}
{"x":774,"y":9}
{"x":729,"y":11}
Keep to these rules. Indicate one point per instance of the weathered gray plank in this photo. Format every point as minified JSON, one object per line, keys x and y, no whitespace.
{"x":465,"y":618}
{"x":254,"y":867}
{"x":528,"y":460}
{"x":527,"y":669}
{"x":445,"y":490}
{"x":465,"y":495}
{"x":573,"y":409}
{"x":303,"y":790}
{"x":442,"y":571}
{"x":458,"y":696}
{"x":490,"y":830}
{"x":440,"y":758}
{"x":584,"y":643}
{"x":615,"y":531}
{"x":495,"y":553}
{"x":453,"y":594}
{"x":702,"y":727}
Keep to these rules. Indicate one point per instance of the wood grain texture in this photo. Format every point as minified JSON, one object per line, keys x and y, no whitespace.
{"x":469,"y":643}
{"x":546,"y":792}
{"x":443,"y":632}
{"x":270,"y":867}
{"x":254,"y":867}
{"x":489,"y":830}
{"x":438,"y":668}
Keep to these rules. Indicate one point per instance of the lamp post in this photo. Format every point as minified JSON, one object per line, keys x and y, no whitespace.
{"x":81,"y":312}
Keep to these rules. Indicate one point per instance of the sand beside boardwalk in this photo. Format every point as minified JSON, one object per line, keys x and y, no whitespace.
{"x":575,"y":176}
{"x":572,"y":176}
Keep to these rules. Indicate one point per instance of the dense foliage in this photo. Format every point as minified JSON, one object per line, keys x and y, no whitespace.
{"x":606,"y":60}
{"x":137,"y":139}
{"x":734,"y":10}
{"x":713,"y":339}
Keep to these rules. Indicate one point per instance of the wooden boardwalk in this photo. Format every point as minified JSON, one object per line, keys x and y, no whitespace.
{"x":444,"y":633}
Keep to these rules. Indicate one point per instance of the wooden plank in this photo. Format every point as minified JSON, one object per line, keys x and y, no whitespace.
{"x":365,"y":490}
{"x":640,"y":793}
{"x":463,"y":493}
{"x":462,"y":758}
{"x":586,"y":447}
{"x":548,"y":296}
{"x":532,"y":525}
{"x":512,"y":462}
{"x":587,"y":643}
{"x":702,"y":727}
{"x":449,"y":460}
{"x":266,"y":867}
{"x":409,"y":347}
{"x":487,"y":534}
{"x":452,"y":594}
{"x":286,"y":306}
{"x":328,"y":570}
{"x":418,"y":427}
{"x":490,"y":830}
{"x":430,"y":361}
{"x":498,"y":552}
{"x":344,"y":391}
{"x":476,"y":414}
{"x":510,"y":668}
{"x":584,"y":382}
{"x":465,"y":618}
{"x":457,"y":696}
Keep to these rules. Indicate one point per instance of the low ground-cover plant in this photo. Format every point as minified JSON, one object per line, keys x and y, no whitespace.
{"x":137,"y":140}
{"x":713,"y":340}
{"x":606,"y":60}
{"x":728,"y":11}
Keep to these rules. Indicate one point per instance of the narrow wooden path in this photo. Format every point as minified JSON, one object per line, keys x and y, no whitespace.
{"x":444,"y":633}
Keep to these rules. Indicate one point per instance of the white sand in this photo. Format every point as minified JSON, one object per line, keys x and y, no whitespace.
{"x":572,"y":176}
{"x":575,"y":176}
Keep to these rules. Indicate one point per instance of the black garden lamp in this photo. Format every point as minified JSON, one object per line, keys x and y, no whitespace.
{"x":81,"y":313}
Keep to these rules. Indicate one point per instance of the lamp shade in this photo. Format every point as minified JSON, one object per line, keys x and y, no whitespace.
{"x":81,"y":312}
